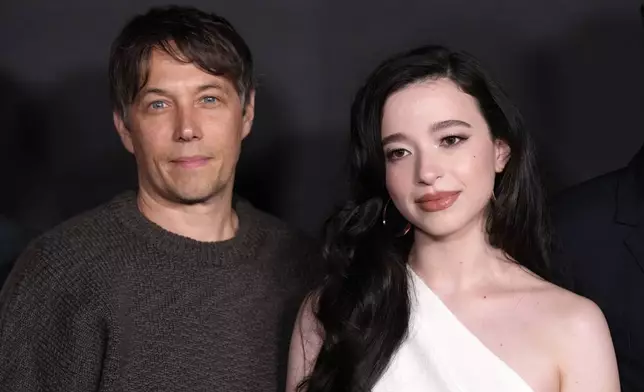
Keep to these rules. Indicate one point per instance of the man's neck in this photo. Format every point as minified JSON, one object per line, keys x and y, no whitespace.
{"x":211,"y":221}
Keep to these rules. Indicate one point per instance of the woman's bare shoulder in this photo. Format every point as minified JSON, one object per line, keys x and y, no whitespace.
{"x":559,"y":307}
{"x":577,"y":335}
{"x":306,"y":341}
{"x":562,"y":307}
{"x":559,"y":312}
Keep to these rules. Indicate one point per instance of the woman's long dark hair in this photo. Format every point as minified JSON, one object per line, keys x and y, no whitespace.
{"x":363,"y":306}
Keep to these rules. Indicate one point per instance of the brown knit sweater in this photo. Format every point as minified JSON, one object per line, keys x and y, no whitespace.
{"x":109,"y":301}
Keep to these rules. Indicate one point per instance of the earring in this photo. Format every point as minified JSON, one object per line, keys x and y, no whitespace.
{"x":405,"y":230}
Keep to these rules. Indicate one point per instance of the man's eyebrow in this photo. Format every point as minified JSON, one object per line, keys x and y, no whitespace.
{"x":201,"y":88}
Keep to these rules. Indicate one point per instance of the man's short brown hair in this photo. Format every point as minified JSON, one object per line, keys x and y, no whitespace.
{"x":189,"y":35}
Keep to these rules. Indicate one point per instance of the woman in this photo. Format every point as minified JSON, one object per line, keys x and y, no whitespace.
{"x":454,"y":298}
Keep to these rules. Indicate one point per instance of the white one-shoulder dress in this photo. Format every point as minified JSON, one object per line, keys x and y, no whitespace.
{"x":440,"y":354}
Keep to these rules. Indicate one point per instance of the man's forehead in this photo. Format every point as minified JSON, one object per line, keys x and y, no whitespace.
{"x":166,"y":68}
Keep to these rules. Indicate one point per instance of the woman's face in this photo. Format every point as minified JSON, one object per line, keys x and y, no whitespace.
{"x":441,"y":160}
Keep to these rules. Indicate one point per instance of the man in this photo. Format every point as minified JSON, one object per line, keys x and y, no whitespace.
{"x":600,"y":247}
{"x":180,"y":286}
{"x":599,"y":252}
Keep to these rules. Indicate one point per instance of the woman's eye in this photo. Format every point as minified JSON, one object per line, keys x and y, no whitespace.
{"x":396,"y":154}
{"x":453,"y":140}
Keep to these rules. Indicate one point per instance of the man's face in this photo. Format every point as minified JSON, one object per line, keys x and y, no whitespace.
{"x":185,"y":129}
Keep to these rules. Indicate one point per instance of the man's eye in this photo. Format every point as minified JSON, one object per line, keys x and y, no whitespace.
{"x":157,"y":105}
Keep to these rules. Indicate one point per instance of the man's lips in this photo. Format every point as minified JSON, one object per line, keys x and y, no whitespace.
{"x":191,"y":161}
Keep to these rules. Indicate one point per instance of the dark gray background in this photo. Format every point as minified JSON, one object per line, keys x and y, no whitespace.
{"x":574,"y":67}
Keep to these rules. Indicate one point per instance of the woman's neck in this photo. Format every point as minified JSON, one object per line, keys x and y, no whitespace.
{"x":459,"y":262}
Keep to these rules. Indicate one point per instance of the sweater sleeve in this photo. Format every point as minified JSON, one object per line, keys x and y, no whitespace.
{"x":51,"y":334}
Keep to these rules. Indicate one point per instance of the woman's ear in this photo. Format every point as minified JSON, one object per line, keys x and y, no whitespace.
{"x":501,"y":154}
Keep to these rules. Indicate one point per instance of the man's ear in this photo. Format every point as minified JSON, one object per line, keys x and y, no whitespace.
{"x":249,"y":114}
{"x":501,"y":154}
{"x":123,"y":131}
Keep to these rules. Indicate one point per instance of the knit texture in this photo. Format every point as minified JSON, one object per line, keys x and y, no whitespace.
{"x":109,"y":301}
